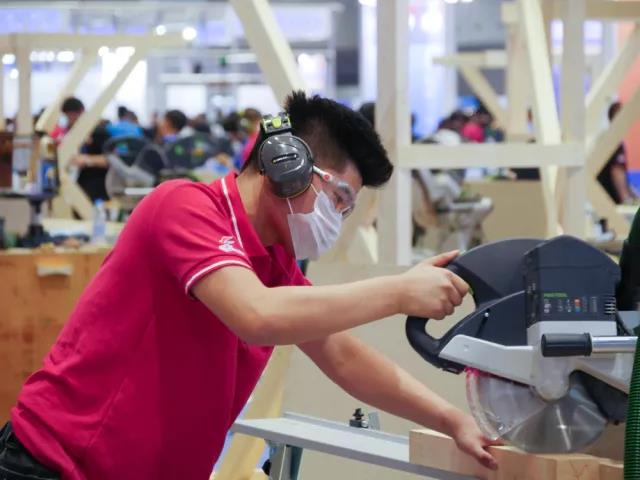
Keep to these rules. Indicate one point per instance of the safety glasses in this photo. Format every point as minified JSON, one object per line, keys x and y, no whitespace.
{"x":339,"y":191}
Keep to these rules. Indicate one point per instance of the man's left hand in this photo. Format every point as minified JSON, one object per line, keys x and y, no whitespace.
{"x":472,"y":441}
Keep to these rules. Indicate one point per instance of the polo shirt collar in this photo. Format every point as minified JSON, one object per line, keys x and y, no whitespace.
{"x":249,"y":239}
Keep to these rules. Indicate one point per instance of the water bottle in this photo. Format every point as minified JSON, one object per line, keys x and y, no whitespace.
{"x":99,"y":235}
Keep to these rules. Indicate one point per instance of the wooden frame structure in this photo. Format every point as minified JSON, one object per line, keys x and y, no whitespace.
{"x":568,"y":152}
{"x":23,"y":44}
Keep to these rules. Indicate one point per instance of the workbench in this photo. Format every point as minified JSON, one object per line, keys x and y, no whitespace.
{"x":38,"y":290}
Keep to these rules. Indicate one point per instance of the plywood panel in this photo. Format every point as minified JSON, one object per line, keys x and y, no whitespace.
{"x":34,"y":309}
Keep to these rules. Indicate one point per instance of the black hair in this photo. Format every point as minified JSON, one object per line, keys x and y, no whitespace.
{"x":368,"y":111}
{"x":613,"y":110}
{"x":335,"y":134}
{"x":176,"y":119}
{"x":72,"y":105}
{"x":231,"y":123}
{"x":122,"y":112}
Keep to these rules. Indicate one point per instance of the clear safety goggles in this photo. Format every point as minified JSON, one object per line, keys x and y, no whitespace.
{"x":340,"y":192}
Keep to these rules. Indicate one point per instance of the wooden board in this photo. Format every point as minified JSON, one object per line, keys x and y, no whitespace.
{"x":439,"y":451}
{"x":34,"y":309}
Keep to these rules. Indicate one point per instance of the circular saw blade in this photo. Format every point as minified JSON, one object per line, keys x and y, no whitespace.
{"x":518,"y":415}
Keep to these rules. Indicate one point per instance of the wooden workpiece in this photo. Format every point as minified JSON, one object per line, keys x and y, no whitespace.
{"x":436,"y":450}
{"x":39,"y":290}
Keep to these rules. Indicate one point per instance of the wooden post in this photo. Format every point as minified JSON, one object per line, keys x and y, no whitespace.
{"x":72,"y":141}
{"x":2,"y":118}
{"x":517,"y":84}
{"x":267,"y":41}
{"x":50,"y":116}
{"x":24,"y":120}
{"x":544,"y":106}
{"x":393,"y":124}
{"x":240,"y":461}
{"x":601,"y":151}
{"x":571,"y":185}
{"x":609,"y":80}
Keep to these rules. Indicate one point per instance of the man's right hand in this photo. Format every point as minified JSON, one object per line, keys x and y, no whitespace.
{"x":428,"y":290}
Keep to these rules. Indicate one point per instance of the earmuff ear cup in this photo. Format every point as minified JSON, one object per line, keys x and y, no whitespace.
{"x":287,"y":161}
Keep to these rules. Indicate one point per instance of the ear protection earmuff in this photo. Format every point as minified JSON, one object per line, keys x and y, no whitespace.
{"x":285,"y":159}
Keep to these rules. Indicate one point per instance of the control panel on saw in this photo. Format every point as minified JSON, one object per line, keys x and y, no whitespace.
{"x":564,"y":280}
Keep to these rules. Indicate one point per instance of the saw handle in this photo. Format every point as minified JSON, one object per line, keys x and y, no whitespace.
{"x":427,"y":346}
{"x":566,"y":345}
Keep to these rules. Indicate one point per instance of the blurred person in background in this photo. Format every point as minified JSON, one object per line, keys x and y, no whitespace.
{"x":199,"y":123}
{"x":126,"y":125}
{"x":250,"y":121}
{"x":93,"y":164}
{"x":474,"y":130}
{"x":172,"y":126}
{"x":71,"y":108}
{"x":614,"y":176}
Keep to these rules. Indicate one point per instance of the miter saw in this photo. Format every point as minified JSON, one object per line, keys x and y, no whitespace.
{"x":547,"y":355}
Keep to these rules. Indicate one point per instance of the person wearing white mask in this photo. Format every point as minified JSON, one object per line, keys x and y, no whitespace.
{"x":169,"y":339}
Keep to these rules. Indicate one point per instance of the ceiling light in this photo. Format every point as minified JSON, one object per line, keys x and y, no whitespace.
{"x":161,"y":30}
{"x":8,"y":59}
{"x":189,"y":33}
{"x":66,"y":56}
{"x":13,"y":74}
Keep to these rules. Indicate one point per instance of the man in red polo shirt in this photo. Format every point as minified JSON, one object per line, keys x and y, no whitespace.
{"x":169,"y":339}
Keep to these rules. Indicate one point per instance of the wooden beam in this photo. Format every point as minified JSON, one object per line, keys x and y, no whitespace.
{"x":485,"y":92}
{"x":606,"y":84}
{"x":49,"y":118}
{"x":544,"y":105}
{"x":613,"y":10}
{"x":71,"y":41}
{"x":601,"y":151}
{"x":571,"y":185}
{"x":488,"y":59}
{"x":2,"y":117}
{"x":393,"y":124}
{"x":609,"y":140}
{"x":24,"y":119}
{"x":510,"y":155}
{"x":242,"y":457}
{"x":610,"y":10}
{"x":267,"y":41}
{"x":72,"y":141}
{"x":517,"y":84}
{"x":436,"y":450}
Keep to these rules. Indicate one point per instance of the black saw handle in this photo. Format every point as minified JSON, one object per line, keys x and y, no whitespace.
{"x":427,"y":346}
{"x":493,"y":271}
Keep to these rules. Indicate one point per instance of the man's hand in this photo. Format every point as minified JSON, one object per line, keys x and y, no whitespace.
{"x":471,"y":440}
{"x":428,"y":290}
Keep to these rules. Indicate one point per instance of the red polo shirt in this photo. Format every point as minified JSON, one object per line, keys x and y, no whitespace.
{"x":144,"y":381}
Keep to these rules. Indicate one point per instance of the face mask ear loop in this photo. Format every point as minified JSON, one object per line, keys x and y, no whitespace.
{"x":289,"y":203}
{"x":314,"y":189}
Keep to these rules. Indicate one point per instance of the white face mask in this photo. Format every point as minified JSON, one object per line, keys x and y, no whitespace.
{"x":315,"y":232}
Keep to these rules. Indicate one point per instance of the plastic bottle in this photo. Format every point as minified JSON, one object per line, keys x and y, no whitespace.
{"x":99,"y":235}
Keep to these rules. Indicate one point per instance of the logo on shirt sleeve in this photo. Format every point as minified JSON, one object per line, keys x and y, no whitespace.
{"x":227,"y":244}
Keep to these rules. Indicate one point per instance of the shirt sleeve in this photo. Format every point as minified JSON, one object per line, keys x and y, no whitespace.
{"x":194,"y":237}
{"x":297,"y":277}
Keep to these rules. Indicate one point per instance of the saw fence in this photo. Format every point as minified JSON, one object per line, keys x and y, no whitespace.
{"x":430,"y":448}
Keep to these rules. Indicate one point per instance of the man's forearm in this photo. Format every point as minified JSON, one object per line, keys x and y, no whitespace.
{"x":374,"y":379}
{"x":301,"y":314}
